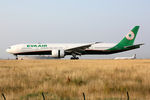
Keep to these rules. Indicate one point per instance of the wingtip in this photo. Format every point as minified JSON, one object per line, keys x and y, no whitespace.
{"x":97,"y":42}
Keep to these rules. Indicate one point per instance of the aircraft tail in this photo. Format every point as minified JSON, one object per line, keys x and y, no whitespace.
{"x":130,"y":37}
{"x":128,"y":40}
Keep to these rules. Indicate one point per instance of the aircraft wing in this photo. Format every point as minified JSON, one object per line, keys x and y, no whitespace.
{"x":79,"y":49}
{"x":134,"y":46}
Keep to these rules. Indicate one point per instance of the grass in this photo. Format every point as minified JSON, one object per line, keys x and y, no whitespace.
{"x":68,"y":79}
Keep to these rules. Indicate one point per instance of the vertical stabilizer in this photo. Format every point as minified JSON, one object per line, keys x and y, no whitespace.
{"x":128,"y":40}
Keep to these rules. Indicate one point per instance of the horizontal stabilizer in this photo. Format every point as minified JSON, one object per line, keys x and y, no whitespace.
{"x":134,"y":46}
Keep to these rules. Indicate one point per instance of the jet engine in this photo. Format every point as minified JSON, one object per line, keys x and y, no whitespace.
{"x":56,"y":53}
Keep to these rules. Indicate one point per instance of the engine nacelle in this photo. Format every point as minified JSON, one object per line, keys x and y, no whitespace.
{"x":58,"y":53}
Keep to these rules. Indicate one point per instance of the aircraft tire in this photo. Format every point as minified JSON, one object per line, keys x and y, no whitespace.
{"x":72,"y":58}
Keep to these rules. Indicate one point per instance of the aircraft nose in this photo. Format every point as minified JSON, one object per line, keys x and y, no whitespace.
{"x":8,"y":50}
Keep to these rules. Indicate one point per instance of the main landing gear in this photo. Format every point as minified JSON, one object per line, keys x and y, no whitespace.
{"x":74,"y":57}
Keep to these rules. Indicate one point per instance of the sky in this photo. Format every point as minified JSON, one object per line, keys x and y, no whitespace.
{"x":74,"y":21}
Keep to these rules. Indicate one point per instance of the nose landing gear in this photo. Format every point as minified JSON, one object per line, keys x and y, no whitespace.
{"x":16,"y":57}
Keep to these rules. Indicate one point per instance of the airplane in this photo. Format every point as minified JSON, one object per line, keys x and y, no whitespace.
{"x":133,"y":57}
{"x":56,"y":50}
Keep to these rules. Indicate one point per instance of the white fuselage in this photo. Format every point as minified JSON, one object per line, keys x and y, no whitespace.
{"x":44,"y":47}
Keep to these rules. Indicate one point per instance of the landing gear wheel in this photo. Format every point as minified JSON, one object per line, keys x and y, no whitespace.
{"x":77,"y":58}
{"x":74,"y":58}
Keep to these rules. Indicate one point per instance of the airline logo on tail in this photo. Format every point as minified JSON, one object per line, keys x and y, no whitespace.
{"x":130,"y":35}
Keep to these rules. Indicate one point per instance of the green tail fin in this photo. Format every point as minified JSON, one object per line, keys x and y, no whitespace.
{"x":128,"y":40}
